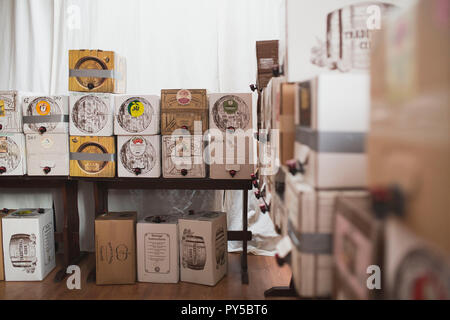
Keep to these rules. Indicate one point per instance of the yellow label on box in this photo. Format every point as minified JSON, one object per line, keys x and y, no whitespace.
{"x":2,"y":108}
{"x":136,"y":108}
{"x":43,"y":108}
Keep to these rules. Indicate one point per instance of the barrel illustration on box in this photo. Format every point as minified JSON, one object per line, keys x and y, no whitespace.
{"x":348,"y":36}
{"x":43,"y":114}
{"x":47,"y":154}
{"x":91,"y":114}
{"x":230,"y":111}
{"x":139,"y":156}
{"x":12,"y":154}
{"x":182,"y":156}
{"x":158,"y":249}
{"x":182,"y":109}
{"x":30,"y":253}
{"x":136,"y":114}
{"x":92,"y":156}
{"x":97,"y":71}
{"x":10,"y":111}
{"x":203,"y":252}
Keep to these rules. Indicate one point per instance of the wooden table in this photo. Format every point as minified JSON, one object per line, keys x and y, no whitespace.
{"x":69,"y":236}
{"x":101,"y":186}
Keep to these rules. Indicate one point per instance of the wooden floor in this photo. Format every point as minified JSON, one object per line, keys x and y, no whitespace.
{"x":263,"y":273}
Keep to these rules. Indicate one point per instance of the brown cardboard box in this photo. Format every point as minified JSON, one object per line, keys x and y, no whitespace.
{"x":115,"y":248}
{"x":409,"y":141}
{"x":97,"y":71}
{"x":180,"y":108}
{"x":267,"y":59}
{"x":92,"y":156}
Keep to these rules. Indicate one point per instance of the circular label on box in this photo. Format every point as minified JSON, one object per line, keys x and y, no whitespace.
{"x":43,"y":107}
{"x":138,"y":146}
{"x":230,"y":106}
{"x":90,"y":114}
{"x":231,"y":111}
{"x":136,"y":108}
{"x":184,"y":97}
{"x":46,"y":142}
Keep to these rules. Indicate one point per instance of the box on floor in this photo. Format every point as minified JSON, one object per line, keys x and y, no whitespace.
{"x":203,"y":247}
{"x":115,"y":248}
{"x":158,"y":249}
{"x":28,"y":244}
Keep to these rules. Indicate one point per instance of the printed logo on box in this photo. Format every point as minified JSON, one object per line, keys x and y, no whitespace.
{"x":43,"y":108}
{"x":136,"y":108}
{"x":2,"y":108}
{"x":184,"y":97}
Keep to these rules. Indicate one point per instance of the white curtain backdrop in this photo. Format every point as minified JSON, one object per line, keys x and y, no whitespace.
{"x":168,"y":44}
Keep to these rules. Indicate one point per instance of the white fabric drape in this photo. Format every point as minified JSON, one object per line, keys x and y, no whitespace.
{"x":168,"y":44}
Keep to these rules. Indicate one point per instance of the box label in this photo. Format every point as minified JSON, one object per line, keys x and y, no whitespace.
{"x":157,"y":253}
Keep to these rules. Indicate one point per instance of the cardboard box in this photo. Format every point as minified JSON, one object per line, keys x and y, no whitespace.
{"x":28,"y":244}
{"x":358,"y":237}
{"x":158,"y":249}
{"x":2,"y":268}
{"x":181,"y":109}
{"x":47,"y":154}
{"x":230,"y":156}
{"x":91,"y":114}
{"x":414,"y":268}
{"x":92,"y":156}
{"x":286,"y":126}
{"x":139,"y":156}
{"x":230,"y":111}
{"x":203,"y":247}
{"x":332,"y":131}
{"x":45,"y":114}
{"x":136,"y":114}
{"x":267,"y":60}
{"x":115,"y":248}
{"x":310,"y":227}
{"x":12,"y":154}
{"x":97,"y":71}
{"x":11,"y":111}
{"x":182,"y":157}
{"x":409,"y":142}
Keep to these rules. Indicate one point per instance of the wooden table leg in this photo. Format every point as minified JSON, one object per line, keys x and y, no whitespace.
{"x":71,"y":232}
{"x":101,"y":206}
{"x":244,"y":266}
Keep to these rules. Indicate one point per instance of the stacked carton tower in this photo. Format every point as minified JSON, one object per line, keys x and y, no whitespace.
{"x":93,"y":76}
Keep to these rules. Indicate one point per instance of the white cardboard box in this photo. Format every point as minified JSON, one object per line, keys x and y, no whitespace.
{"x":28,"y":244}
{"x":136,"y":114}
{"x":330,"y":140}
{"x":139,"y":156}
{"x":310,"y":226}
{"x":91,"y":114}
{"x":49,"y":113}
{"x":47,"y":154}
{"x":158,"y":249}
{"x":12,"y":154}
{"x":203,"y":247}
{"x":11,"y":111}
{"x":182,"y":157}
{"x":230,"y":111}
{"x":230,"y":156}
